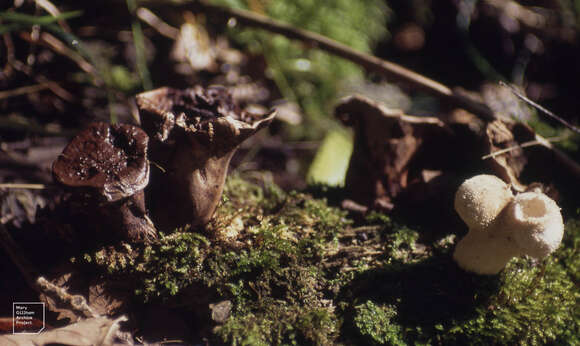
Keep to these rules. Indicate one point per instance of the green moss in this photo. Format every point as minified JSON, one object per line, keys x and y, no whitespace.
{"x":114,"y":259}
{"x":300,"y":272}
{"x":536,"y":303}
{"x":374,"y":322}
{"x":171,"y":264}
{"x":279,"y":289}
{"x":527,"y":303}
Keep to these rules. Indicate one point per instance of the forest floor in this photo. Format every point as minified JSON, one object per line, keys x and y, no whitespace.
{"x":290,"y":257}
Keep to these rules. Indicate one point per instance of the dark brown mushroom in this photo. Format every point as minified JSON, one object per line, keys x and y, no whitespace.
{"x":108,"y":164}
{"x":196,"y":132}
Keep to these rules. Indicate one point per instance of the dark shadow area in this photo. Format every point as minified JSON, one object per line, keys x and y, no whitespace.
{"x":425,"y":294}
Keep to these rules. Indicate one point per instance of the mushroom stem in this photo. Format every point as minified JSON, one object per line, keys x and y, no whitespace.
{"x":133,"y":220}
{"x":196,"y":132}
{"x":194,"y":186}
{"x":484,"y":252}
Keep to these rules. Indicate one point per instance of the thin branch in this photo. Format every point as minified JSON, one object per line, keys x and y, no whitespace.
{"x":546,"y":111}
{"x":157,"y":23}
{"x":23,"y":90}
{"x":369,"y":62}
{"x":41,"y":79}
{"x":523,"y":145}
{"x":61,"y":48}
{"x":23,"y":186}
{"x":572,"y":165}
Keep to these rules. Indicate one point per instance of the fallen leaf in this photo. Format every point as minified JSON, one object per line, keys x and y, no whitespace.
{"x":93,"y":331}
{"x":385,"y":142}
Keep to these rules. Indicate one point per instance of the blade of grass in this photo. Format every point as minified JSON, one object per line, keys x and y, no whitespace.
{"x":37,"y":20}
{"x":139,"y":42}
{"x":4,"y":29}
{"x":19,"y":21}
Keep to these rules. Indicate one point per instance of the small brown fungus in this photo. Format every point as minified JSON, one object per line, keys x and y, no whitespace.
{"x":108,"y":164}
{"x":196,"y":132}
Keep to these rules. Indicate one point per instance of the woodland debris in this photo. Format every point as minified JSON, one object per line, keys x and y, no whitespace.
{"x":93,"y":331}
{"x":507,"y":134}
{"x":385,"y":143}
{"x":58,"y":299}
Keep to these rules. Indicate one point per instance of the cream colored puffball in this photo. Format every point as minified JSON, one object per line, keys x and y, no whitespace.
{"x":536,"y":223}
{"x":502,"y":226}
{"x":480,"y":199}
{"x":484,"y":252}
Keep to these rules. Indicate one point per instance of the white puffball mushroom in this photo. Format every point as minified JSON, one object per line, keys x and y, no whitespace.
{"x":536,"y":222}
{"x":502,"y":226}
{"x":484,"y":253}
{"x":480,"y":199}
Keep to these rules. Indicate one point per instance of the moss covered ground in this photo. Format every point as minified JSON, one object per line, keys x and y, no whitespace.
{"x":294,"y":270}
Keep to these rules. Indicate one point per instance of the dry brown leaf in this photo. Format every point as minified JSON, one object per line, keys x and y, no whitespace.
{"x":93,"y":331}
{"x":386,"y":140}
{"x":510,"y":164}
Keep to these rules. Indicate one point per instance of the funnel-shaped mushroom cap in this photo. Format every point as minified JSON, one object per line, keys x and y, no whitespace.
{"x":110,"y":159}
{"x":480,"y":199}
{"x":207,"y":116}
{"x":197,"y":132}
{"x":536,"y":224}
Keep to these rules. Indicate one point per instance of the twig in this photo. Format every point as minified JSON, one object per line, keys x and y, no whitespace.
{"x":23,"y":186}
{"x":22,"y":91}
{"x":523,"y":145}
{"x":41,"y":79}
{"x":61,"y":48}
{"x":369,"y":62}
{"x":572,"y":165}
{"x":546,"y":111}
{"x":157,"y":23}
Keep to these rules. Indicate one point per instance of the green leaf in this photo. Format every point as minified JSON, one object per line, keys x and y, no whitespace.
{"x":331,"y":161}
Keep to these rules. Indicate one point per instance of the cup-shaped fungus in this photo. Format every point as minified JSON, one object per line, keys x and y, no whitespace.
{"x":107,"y":164}
{"x":197,"y":131}
{"x":502,"y":226}
{"x":536,"y":222}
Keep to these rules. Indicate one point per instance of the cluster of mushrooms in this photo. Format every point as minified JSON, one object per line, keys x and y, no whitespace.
{"x":503,"y":226}
{"x":191,"y":135}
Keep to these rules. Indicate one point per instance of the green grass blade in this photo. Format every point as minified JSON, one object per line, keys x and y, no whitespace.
{"x":37,"y":20}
